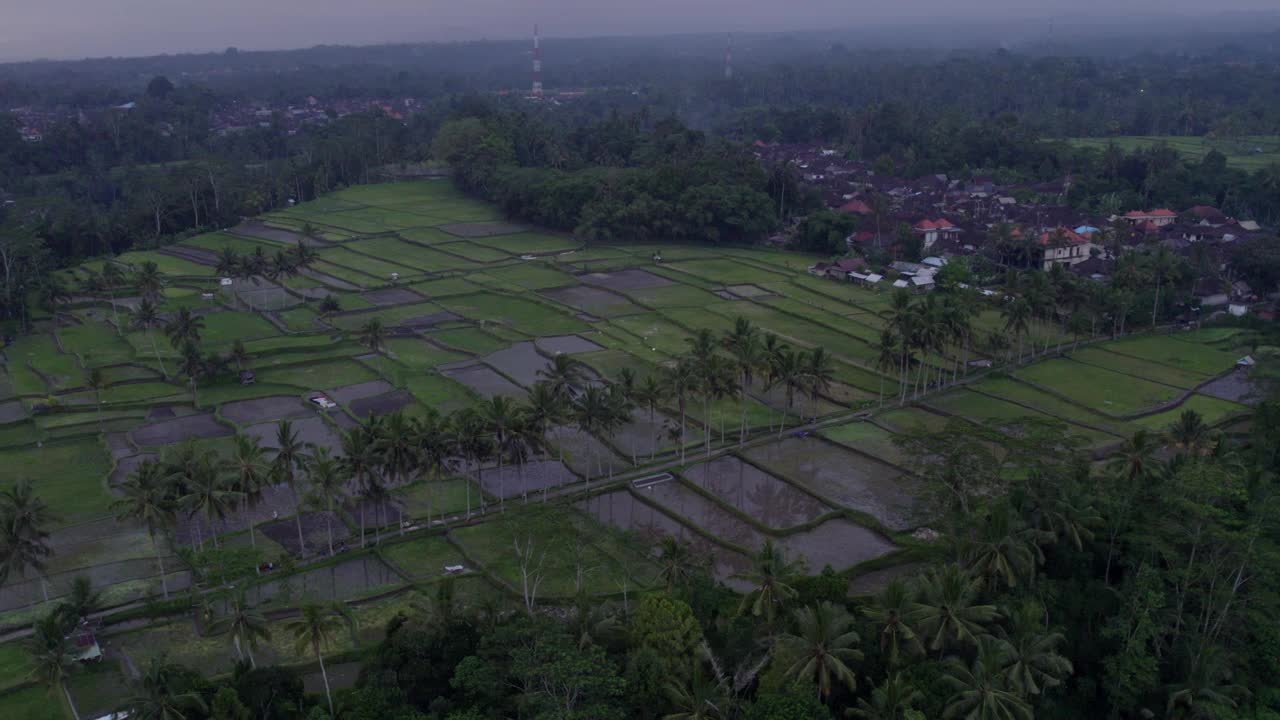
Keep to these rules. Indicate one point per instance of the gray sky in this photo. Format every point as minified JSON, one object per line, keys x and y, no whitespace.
{"x":79,"y":28}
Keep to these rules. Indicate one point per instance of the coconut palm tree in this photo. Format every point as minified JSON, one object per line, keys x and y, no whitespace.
{"x":24,"y":538}
{"x":824,"y":642}
{"x":787,"y":371}
{"x":145,"y":498}
{"x":471,"y":439}
{"x":772,"y":577}
{"x":246,"y":626}
{"x":544,"y":411}
{"x":238,"y":354}
{"x":887,"y":355}
{"x":675,"y":562}
{"x":946,"y":611}
{"x":192,"y":365}
{"x":146,"y":318}
{"x":315,"y":629}
{"x":1134,"y":459}
{"x":819,"y":373}
{"x":889,"y":701}
{"x":1017,"y":317}
{"x":112,"y":278}
{"x":563,"y":373}
{"x":1190,"y":434}
{"x":678,"y":380}
{"x":432,"y":448}
{"x":892,"y":612}
{"x":1164,"y":268}
{"x":1206,"y":682}
{"x":97,"y":382}
{"x":251,"y":475}
{"x":744,"y":344}
{"x":396,"y":450}
{"x":698,"y":698}
{"x":1003,"y":550}
{"x":327,"y":486}
{"x":53,"y":657}
{"x":288,"y":461}
{"x":81,"y":602}
{"x":502,"y":415}
{"x":592,"y":414}
{"x":228,"y":263}
{"x":184,"y":329}
{"x":210,"y":493}
{"x":149,"y":280}
{"x":358,"y":463}
{"x":649,"y":395}
{"x":373,"y":335}
{"x":155,"y":695}
{"x":981,"y":692}
{"x":1033,"y":662}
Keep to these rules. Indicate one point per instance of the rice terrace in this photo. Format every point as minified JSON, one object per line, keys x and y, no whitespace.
{"x":518,"y":382}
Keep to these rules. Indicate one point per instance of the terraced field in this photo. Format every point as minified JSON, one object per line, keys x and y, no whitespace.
{"x":476,"y":309}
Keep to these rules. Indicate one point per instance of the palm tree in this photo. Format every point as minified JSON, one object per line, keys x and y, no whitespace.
{"x":97,"y":382}
{"x":184,"y":329}
{"x":209,"y":492}
{"x":819,"y":372}
{"x":147,"y":318}
{"x":471,"y":438}
{"x":675,"y":562}
{"x":824,"y":642}
{"x":649,"y":395}
{"x":1034,"y":664}
{"x":396,"y":451}
{"x":1207,"y":682}
{"x":327,"y":485}
{"x":1163,"y":268}
{"x":81,"y":602}
{"x":53,"y":657}
{"x":155,"y":695}
{"x":359,"y":462}
{"x":111,"y":279}
{"x":592,"y":414}
{"x":373,"y":335}
{"x":288,"y":461}
{"x":1003,"y":549}
{"x":252,"y":475}
{"x":149,"y":280}
{"x":1134,"y":459}
{"x":24,"y":539}
{"x":946,"y":612}
{"x":228,"y":264}
{"x":1189,"y":433}
{"x":887,"y":354}
{"x":502,"y":415}
{"x":744,"y":343}
{"x":544,"y":411}
{"x":888,"y":701}
{"x":314,"y":630}
{"x":247,"y":627}
{"x":981,"y":690}
{"x":787,"y":371}
{"x":238,"y":354}
{"x":773,"y":350}
{"x":772,"y":577}
{"x":700,"y":698}
{"x":145,"y":498}
{"x":563,"y":374}
{"x":678,"y":380}
{"x":1017,"y":316}
{"x":192,"y":365}
{"x":432,"y":448}
{"x":892,"y":613}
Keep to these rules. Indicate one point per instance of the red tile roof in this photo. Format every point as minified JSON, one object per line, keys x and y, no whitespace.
{"x":1070,"y":237}
{"x":856,"y":206}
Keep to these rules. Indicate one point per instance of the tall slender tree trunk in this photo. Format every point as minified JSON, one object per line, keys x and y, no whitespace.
{"x":297,"y":518}
{"x":325,"y":674}
{"x":164,"y":582}
{"x":156,"y":349}
{"x":70,"y":703}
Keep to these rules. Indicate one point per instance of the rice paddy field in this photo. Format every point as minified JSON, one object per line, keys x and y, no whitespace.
{"x":1247,"y":153}
{"x":475,"y":307}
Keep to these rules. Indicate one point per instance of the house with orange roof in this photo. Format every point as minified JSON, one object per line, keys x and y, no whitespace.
{"x":1158,"y":217}
{"x":1064,"y":246}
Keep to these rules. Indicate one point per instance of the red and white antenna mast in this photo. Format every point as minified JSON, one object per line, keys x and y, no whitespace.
{"x":537,"y":64}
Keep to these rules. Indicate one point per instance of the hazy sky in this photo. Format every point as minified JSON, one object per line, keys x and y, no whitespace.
{"x":79,"y":28}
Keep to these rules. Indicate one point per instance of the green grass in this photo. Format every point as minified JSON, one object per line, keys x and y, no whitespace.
{"x":429,"y":236}
{"x":388,"y":316}
{"x":300,"y":318}
{"x":1144,"y":369}
{"x":367,"y":264}
{"x":474,"y":253}
{"x":223,"y":328}
{"x":417,"y":353}
{"x":525,"y":315}
{"x":1213,"y":410}
{"x":319,"y":376}
{"x":409,"y":255}
{"x":1010,"y":389}
{"x":470,"y":340}
{"x":167,"y":264}
{"x":216,"y":242}
{"x":355,"y":277}
{"x":96,"y":344}
{"x":448,"y":496}
{"x":423,"y":558}
{"x":1102,"y":390}
{"x":444,"y":288}
{"x":69,"y":476}
{"x":910,"y":419}
{"x":676,"y":295}
{"x":38,"y":352}
{"x":726,"y":271}
{"x":529,"y":243}
{"x":984,"y":409}
{"x":1203,"y":360}
{"x":15,"y":664}
{"x":427,"y":387}
{"x":532,"y":275}
{"x":868,"y":438}
{"x":33,"y":703}
{"x":653,"y":330}
{"x":1238,"y":151}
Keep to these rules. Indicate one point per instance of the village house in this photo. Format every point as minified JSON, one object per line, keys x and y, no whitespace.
{"x":1063,"y":246}
{"x":1159,"y":217}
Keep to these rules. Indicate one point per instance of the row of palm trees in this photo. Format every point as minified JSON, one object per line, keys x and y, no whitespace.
{"x":282,"y":264}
